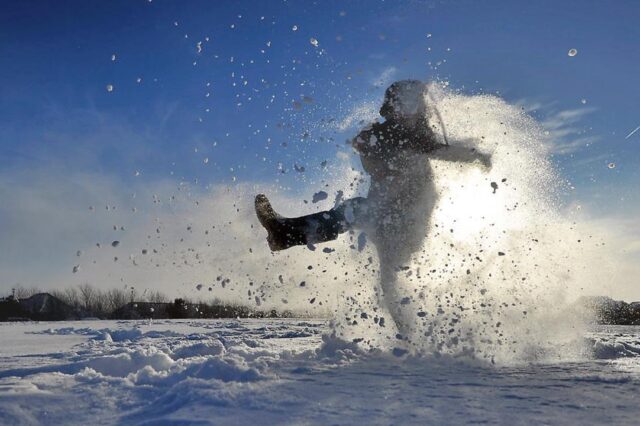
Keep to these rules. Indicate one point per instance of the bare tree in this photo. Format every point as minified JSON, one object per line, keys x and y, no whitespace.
{"x":116,"y":298}
{"x":157,"y":297}
{"x":23,"y":292}
{"x":60,"y":294}
{"x":99,"y":305}
{"x":87,"y":296}
{"x":72,"y":297}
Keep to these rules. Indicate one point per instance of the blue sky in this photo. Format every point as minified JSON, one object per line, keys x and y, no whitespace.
{"x":241,"y":84}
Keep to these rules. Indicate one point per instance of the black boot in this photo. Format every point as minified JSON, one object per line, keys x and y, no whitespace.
{"x":283,"y":232}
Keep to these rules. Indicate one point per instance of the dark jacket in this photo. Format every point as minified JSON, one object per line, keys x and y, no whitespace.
{"x":382,"y":147}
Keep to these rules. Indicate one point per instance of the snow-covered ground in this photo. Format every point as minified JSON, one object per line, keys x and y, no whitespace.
{"x":290,"y":372}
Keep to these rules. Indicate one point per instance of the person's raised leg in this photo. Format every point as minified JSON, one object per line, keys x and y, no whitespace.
{"x":283,"y":232}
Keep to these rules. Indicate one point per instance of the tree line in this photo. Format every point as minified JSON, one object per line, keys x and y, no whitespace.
{"x":94,"y":301}
{"x":88,"y":301}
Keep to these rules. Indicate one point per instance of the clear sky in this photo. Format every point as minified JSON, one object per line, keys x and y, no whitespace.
{"x":98,"y":97}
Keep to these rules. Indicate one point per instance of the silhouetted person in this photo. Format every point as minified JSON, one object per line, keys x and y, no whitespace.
{"x":396,"y":212}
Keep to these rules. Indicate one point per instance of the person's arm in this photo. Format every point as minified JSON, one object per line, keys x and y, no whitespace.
{"x":462,"y":154}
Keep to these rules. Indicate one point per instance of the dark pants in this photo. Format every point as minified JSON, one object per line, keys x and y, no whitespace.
{"x":327,"y":225}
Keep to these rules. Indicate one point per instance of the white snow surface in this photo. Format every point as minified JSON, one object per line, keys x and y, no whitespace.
{"x":291,"y":371}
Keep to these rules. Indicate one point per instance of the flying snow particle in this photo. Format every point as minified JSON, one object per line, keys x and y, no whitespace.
{"x":572,"y":52}
{"x":109,"y":88}
{"x":319,"y":196}
{"x":116,"y":243}
{"x":611,"y":165}
{"x":199,"y":287}
{"x":583,"y":101}
{"x":314,"y":42}
{"x":206,"y":160}
{"x":113,"y":57}
{"x":76,"y":268}
{"x":294,"y":28}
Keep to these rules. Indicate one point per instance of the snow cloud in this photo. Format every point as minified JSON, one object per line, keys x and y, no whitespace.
{"x":173,"y":236}
{"x":385,"y":78}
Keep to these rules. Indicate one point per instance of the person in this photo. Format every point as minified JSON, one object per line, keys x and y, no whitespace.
{"x":396,"y":212}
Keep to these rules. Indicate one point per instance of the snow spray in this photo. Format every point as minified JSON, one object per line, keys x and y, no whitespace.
{"x":499,"y":265}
